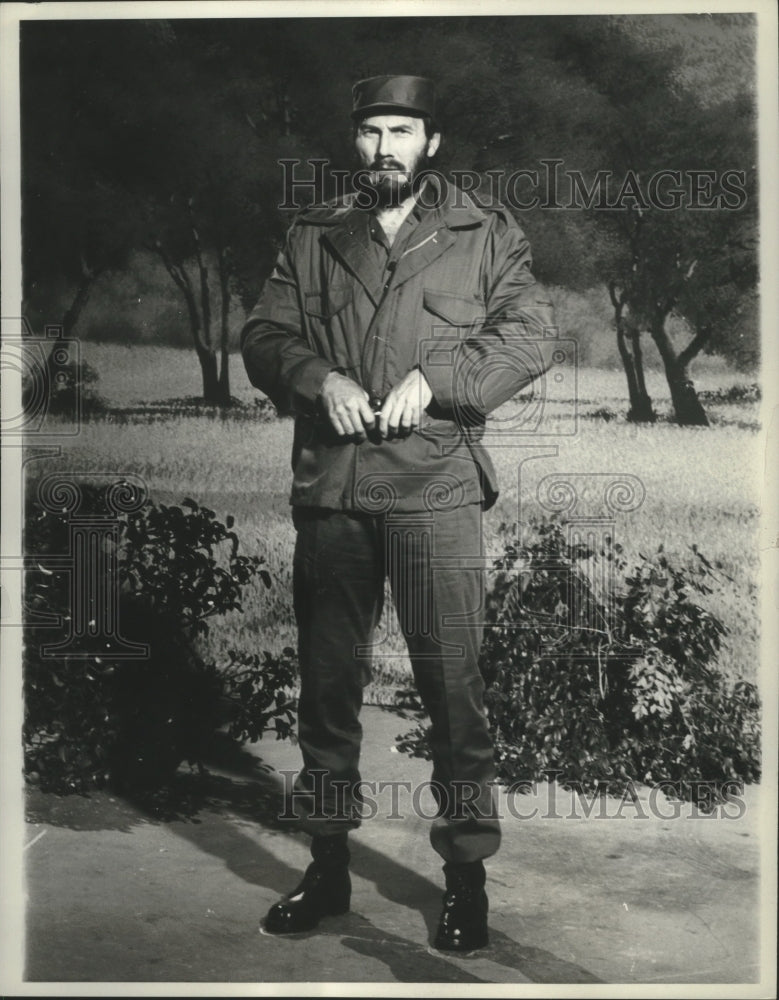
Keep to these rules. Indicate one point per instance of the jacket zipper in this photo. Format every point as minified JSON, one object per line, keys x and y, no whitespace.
{"x":427,"y":239}
{"x":392,"y":269}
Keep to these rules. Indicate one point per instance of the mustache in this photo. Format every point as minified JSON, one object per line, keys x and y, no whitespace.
{"x":387,"y":163}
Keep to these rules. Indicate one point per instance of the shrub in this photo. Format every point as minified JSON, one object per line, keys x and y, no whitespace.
{"x":70,"y":391}
{"x":151,"y":411}
{"x":603,"y":413}
{"x":738,"y":393}
{"x":610,"y":688}
{"x":96,"y":716}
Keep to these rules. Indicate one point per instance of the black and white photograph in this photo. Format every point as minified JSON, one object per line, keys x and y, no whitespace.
{"x":389,"y":499}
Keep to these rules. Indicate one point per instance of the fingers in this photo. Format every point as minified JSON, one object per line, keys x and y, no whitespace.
{"x":400,"y":414}
{"x":338,"y":425}
{"x":348,"y":409}
{"x":409,"y":418}
{"x":345,"y":418}
{"x":388,"y":413}
{"x":367,"y":415}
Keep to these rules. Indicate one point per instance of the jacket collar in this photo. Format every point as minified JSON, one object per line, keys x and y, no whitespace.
{"x":348,"y":238}
{"x":444,"y":209}
{"x":453,"y":207}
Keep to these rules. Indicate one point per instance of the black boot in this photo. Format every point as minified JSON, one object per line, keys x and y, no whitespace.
{"x":463,"y":923}
{"x":325,"y":891}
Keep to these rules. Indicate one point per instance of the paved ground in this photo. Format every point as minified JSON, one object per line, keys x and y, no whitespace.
{"x":118,"y":894}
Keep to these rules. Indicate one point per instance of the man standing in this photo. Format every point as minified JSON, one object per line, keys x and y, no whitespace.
{"x":394,"y":322}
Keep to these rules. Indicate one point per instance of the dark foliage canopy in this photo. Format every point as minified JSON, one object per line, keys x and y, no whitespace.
{"x":139,"y":131}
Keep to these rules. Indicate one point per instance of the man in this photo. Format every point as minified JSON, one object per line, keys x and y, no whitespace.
{"x":394,"y":321}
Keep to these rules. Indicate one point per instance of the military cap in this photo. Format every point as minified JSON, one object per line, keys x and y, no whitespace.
{"x":378,"y":94}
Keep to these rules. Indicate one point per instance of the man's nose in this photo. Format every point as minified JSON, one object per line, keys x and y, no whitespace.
{"x":385,"y":144}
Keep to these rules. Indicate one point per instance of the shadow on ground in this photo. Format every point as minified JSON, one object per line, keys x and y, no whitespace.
{"x":199,"y":808}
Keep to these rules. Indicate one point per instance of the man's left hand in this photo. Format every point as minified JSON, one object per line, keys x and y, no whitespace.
{"x":404,"y":404}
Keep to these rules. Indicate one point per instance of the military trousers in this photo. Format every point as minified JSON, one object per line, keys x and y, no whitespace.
{"x":432,"y":561}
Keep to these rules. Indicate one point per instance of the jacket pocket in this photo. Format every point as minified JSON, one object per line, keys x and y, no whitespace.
{"x":330,"y":301}
{"x":456,"y":310}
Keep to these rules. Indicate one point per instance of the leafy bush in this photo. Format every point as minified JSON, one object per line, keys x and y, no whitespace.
{"x":96,"y":716}
{"x":738,"y":393}
{"x":614,"y":687}
{"x":70,"y":390}
{"x":603,"y":413}
{"x":260,"y":410}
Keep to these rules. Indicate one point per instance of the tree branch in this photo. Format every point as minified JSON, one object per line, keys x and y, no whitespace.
{"x":618,"y":303}
{"x":694,"y":347}
{"x":88,"y":277}
{"x":179,"y":275}
{"x":205,"y":294}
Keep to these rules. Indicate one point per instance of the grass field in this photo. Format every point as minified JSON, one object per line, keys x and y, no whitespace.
{"x":701,"y":485}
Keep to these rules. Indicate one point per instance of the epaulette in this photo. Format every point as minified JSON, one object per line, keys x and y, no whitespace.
{"x":487,"y":204}
{"x":326,"y":213}
{"x":494,"y":207}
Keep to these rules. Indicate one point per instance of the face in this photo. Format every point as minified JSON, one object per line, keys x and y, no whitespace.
{"x":393,"y":148}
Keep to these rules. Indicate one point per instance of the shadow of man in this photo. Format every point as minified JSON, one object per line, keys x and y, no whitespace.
{"x":260,"y":800}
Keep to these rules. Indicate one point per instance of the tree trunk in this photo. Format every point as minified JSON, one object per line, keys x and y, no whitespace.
{"x":224,"y":333}
{"x":210,"y":372}
{"x":80,"y":299}
{"x":630,"y":370}
{"x":205,"y":355}
{"x":68,"y":401}
{"x":640,"y":404}
{"x":687,"y":407}
{"x":642,"y":411}
{"x":205,"y":294}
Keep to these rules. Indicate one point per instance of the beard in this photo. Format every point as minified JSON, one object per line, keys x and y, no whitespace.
{"x":393,"y":182}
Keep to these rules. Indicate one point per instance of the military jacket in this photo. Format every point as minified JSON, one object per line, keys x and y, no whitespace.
{"x":460,"y":302}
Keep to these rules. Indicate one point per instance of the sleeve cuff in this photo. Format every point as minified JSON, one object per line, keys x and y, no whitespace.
{"x":309,"y":377}
{"x":438,"y":365}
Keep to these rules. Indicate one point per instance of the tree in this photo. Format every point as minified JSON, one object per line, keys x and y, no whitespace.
{"x":177,"y":177}
{"x":694,"y":258}
{"x":172,"y":132}
{"x":78,"y":222}
{"x":131,"y":141}
{"x":598,"y":108}
{"x":629,"y":346}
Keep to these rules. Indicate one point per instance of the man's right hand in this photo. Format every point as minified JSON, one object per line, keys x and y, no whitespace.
{"x":346,"y":406}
